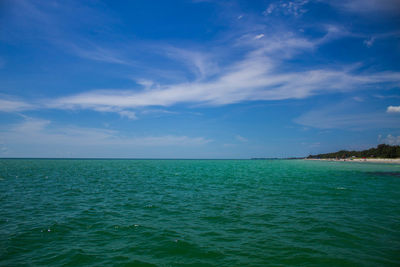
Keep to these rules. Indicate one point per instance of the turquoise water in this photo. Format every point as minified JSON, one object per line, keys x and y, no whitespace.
{"x":199,"y":213}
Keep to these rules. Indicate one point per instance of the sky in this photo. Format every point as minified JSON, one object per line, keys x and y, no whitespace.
{"x":197,"y":78}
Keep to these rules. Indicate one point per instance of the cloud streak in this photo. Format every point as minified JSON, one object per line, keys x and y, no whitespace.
{"x":258,"y":73}
{"x":252,"y":79}
{"x":97,"y":53}
{"x":346,"y":116}
{"x":7,"y":105}
{"x":241,"y":138}
{"x":38,"y":131}
{"x":255,"y":76}
{"x":366,"y":7}
{"x":295,"y":7}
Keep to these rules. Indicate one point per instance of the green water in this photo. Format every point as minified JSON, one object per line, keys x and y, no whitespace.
{"x":199,"y":213}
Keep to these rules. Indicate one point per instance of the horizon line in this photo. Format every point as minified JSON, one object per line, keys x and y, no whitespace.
{"x":105,"y":158}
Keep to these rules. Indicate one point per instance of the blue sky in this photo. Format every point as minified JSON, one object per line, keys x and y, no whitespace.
{"x":197,"y":78}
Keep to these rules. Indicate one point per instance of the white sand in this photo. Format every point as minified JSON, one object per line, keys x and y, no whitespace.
{"x":377,"y":160}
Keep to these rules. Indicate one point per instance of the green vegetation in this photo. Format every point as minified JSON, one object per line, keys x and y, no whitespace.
{"x":381,"y":151}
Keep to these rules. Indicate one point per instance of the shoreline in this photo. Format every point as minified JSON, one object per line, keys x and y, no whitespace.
{"x":377,"y":160}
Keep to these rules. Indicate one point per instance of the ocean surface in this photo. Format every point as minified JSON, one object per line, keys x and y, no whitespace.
{"x":198,"y":213}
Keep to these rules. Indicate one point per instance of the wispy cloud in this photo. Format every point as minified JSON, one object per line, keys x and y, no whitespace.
{"x":370,"y":41}
{"x":61,"y":24}
{"x":157,"y":112}
{"x":241,"y":138}
{"x":98,"y":53}
{"x":345,"y":116}
{"x":269,"y":9}
{"x":200,"y":63}
{"x":372,"y":38}
{"x":30,"y":125}
{"x":40,"y":131}
{"x":368,"y":6}
{"x":389,"y":139}
{"x":294,"y":7}
{"x":334,"y":32}
{"x":254,"y":78}
{"x":277,"y":46}
{"x":7,"y":105}
{"x":129,"y":114}
{"x":257,"y":72}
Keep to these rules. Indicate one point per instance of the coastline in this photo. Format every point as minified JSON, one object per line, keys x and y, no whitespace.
{"x":377,"y":160}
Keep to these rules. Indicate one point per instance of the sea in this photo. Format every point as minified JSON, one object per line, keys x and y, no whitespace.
{"x":121,"y":212}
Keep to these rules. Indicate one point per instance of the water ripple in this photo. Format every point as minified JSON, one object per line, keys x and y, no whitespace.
{"x":198,"y":213}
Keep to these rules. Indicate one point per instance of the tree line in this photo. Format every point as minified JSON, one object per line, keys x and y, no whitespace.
{"x":381,"y":151}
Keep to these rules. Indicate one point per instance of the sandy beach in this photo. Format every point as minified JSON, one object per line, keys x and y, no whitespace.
{"x":377,"y":160}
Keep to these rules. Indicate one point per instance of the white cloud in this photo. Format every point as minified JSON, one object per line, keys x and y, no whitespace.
{"x":30,"y":125}
{"x":393,"y":109}
{"x":368,"y":6}
{"x":202,"y":64}
{"x":358,"y":99}
{"x":278,"y":47}
{"x":43,"y":132}
{"x":270,"y":9}
{"x":97,"y":53}
{"x":334,"y":32}
{"x":158,"y":112}
{"x":253,"y":78}
{"x":14,"y":105}
{"x":369,"y":42}
{"x":129,"y":114}
{"x":294,"y":7}
{"x":241,"y":138}
{"x":347,"y":116}
{"x":389,"y":139}
{"x":147,"y":84}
